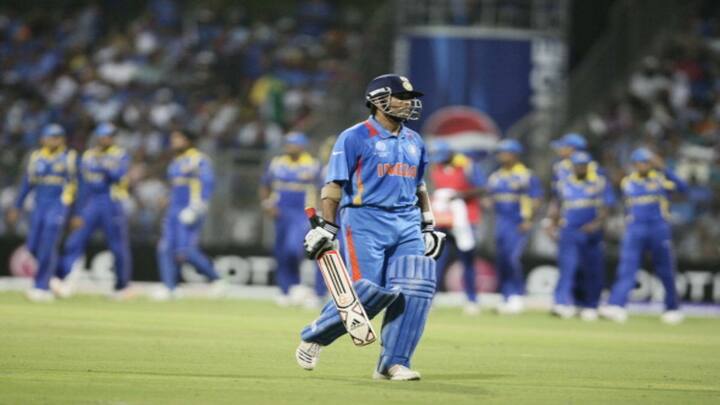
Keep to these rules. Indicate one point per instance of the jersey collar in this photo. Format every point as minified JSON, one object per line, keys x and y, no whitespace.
{"x":384,"y":133}
{"x":46,"y":153}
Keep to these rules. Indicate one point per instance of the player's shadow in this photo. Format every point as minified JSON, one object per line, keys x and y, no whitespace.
{"x":430,"y":383}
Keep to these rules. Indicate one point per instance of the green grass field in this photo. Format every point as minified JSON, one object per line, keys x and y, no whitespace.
{"x":90,"y":351}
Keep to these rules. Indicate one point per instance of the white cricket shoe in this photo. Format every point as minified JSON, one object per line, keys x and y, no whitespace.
{"x":589,"y":314}
{"x":125,"y":294}
{"x":39,"y":295}
{"x":60,"y":288}
{"x":563,"y":311}
{"x":614,"y":313}
{"x":513,"y":306}
{"x":218,"y":289}
{"x":672,"y":317}
{"x":164,"y":294}
{"x":298,"y":294}
{"x":471,"y":309}
{"x":397,"y":373}
{"x":307,"y":355}
{"x":282,"y":301}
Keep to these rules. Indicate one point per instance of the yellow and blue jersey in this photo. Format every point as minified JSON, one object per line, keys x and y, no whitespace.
{"x":563,"y":168}
{"x":647,"y":197}
{"x":51,"y":175}
{"x":191,"y":179}
{"x":104,"y":172}
{"x":513,"y":191}
{"x":581,"y":198}
{"x":294,"y":183}
{"x":377,"y":168}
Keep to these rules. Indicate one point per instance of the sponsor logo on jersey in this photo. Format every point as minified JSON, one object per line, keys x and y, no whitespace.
{"x":397,"y":169}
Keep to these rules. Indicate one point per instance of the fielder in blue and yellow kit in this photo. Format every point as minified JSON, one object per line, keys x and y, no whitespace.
{"x":290,"y":184}
{"x":582,"y":207}
{"x":102,"y":188}
{"x":515,"y":192}
{"x":51,"y":175}
{"x":646,"y":192}
{"x":191,"y":180}
{"x":375,"y":177}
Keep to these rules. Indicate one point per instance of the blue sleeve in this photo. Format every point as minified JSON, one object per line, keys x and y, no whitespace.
{"x":608,"y":196}
{"x":535,"y":188}
{"x":680,"y":184}
{"x":343,"y":158}
{"x":207,"y":179}
{"x":477,"y":176}
{"x":267,"y":177}
{"x":25,"y":188}
{"x":82,"y":193}
{"x":422,"y":166}
{"x":118,"y":171}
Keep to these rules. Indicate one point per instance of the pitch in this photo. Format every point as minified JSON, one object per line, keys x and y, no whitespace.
{"x":88,"y":350}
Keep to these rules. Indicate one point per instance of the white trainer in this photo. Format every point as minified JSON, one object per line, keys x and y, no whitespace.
{"x":614,"y":313}
{"x":513,"y":306}
{"x":471,"y":309}
{"x":307,"y":355}
{"x":397,"y":373}
{"x":164,"y":294}
{"x":60,"y":288}
{"x":589,"y":314}
{"x":672,"y":317}
{"x":126,"y":294}
{"x":39,"y":295}
{"x":282,"y":300}
{"x":218,"y":289}
{"x":563,"y":311}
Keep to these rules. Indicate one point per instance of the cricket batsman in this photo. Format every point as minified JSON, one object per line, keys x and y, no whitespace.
{"x":577,"y":216}
{"x":458,"y":183}
{"x":646,"y":191}
{"x":51,"y":174}
{"x":103,"y":187}
{"x":191,"y":178}
{"x":516,"y":194}
{"x":290,"y":184}
{"x":375,"y":177}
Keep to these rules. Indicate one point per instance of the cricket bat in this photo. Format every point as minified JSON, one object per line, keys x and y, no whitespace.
{"x":343,"y":293}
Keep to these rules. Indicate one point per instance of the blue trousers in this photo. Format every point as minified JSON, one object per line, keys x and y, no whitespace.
{"x":179,"y":244}
{"x":509,"y":246}
{"x":290,"y":229}
{"x":46,"y":227}
{"x":641,"y":237}
{"x":101,"y":212}
{"x":467,"y":258}
{"x":581,"y":260}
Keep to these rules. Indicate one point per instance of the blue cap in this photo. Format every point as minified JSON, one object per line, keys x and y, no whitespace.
{"x":296,"y":138}
{"x":580,"y":158}
{"x":104,"y":129}
{"x":641,"y":155}
{"x":440,"y":151}
{"x":51,"y":130}
{"x":571,"y":140}
{"x":395,"y":83}
{"x":509,"y":146}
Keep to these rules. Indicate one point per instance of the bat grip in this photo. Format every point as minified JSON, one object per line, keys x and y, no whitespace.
{"x":313,"y":217}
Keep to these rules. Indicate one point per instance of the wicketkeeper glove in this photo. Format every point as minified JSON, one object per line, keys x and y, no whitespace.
{"x":434,"y":240}
{"x":191,"y":214}
{"x":321,"y":238}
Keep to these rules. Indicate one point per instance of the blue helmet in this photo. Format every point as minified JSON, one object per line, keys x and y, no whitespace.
{"x":510,"y":146}
{"x":580,"y":158}
{"x":440,"y":151}
{"x":51,"y":130}
{"x":571,"y":140}
{"x":641,"y":155}
{"x":297,"y":138}
{"x":381,"y":88}
{"x":104,"y":129}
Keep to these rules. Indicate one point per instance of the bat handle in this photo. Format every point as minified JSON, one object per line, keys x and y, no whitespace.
{"x":312,"y":216}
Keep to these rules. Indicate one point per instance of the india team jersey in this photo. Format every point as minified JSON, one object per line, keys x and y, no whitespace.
{"x":377,"y":168}
{"x":105,"y":172}
{"x":646,"y":198}
{"x":294,"y":183}
{"x":580,"y":199}
{"x":191,"y":178}
{"x":512,"y":191}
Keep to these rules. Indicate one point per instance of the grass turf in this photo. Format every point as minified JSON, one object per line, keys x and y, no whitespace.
{"x":89,"y":351}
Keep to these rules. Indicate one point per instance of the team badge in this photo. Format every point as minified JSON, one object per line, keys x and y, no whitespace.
{"x":381,"y":149}
{"x":412,"y":150}
{"x":58,"y":167}
{"x":406,"y":83}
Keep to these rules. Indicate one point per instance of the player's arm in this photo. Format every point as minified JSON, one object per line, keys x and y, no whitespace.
{"x":116,"y":170}
{"x":530,"y":203}
{"x":201,"y":188}
{"x":476,"y":176}
{"x":26,"y":185}
{"x":434,"y":240}
{"x":265,"y":192}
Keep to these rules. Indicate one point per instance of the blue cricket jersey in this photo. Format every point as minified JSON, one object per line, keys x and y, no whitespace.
{"x":377,"y":168}
{"x":580,"y":199}
{"x":563,"y":168}
{"x":52,"y":175}
{"x":104,"y":172}
{"x":646,"y":198}
{"x":191,"y":178}
{"x":294,"y":183}
{"x":512,"y":191}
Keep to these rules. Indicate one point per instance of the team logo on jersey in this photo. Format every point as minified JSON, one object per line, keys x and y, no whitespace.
{"x":412,"y":150}
{"x":381,"y":149}
{"x":406,"y":83}
{"x":58,"y":167}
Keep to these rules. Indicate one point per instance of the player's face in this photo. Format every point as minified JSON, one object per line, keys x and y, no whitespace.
{"x":401,"y":105}
{"x":53,"y":142}
{"x":506,"y":158}
{"x":580,"y":170}
{"x":105,"y":141}
{"x":178,"y":141}
{"x":293,"y":150}
{"x":565,"y":152}
{"x":642,"y":167}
